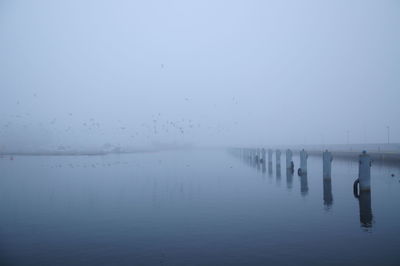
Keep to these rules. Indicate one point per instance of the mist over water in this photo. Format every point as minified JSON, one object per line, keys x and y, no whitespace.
{"x":128,"y":73}
{"x":199,"y":132}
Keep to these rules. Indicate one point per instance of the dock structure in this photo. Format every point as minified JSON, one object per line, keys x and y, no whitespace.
{"x":256,"y":157}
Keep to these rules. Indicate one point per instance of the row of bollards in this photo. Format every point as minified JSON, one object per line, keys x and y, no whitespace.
{"x":361,"y":187}
{"x":363,"y":182}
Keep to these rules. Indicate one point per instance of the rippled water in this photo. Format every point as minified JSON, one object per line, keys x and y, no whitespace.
{"x":193,"y":208}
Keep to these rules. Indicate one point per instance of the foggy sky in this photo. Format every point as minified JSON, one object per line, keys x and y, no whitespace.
{"x":85,"y":73}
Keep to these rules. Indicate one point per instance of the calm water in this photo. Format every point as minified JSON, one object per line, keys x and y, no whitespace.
{"x":193,"y":208}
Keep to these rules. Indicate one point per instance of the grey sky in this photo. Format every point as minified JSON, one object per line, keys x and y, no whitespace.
{"x":202,"y":72}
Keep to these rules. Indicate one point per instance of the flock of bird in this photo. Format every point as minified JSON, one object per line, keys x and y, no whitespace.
{"x":154,"y":129}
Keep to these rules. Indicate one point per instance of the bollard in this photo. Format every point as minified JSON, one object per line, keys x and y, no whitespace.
{"x":328,"y":197}
{"x":289,"y":160}
{"x":326,"y":165}
{"x":278,"y":158}
{"x":303,"y":162}
{"x":257,"y":156}
{"x":269,"y":156}
{"x":364,"y":171}
{"x":263,"y":155}
{"x":269,"y":162}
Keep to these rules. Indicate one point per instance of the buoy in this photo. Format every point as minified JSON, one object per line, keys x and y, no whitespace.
{"x":355,"y":188}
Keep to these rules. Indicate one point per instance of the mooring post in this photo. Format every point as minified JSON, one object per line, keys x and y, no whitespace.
{"x":278,"y":158}
{"x":327,"y":163}
{"x":263,"y":153}
{"x":257,"y":155}
{"x":303,"y":162}
{"x":269,"y":162}
{"x":269,"y":156}
{"x":364,"y":171}
{"x":289,"y":156}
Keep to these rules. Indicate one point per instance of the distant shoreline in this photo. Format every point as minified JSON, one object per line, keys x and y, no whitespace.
{"x":68,"y":153}
{"x":80,"y":153}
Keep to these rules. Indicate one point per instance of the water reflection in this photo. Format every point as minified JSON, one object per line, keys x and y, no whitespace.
{"x":366,"y":217}
{"x":270,"y":168}
{"x":289,"y":178}
{"x":303,"y":185}
{"x":363,"y":197}
{"x":263,"y":167}
{"x":328,"y":197}
{"x":278,"y":174}
{"x":278,"y":171}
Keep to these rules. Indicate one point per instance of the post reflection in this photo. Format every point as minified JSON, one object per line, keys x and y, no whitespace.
{"x":278,"y":171}
{"x":289,"y":178}
{"x":270,"y":168}
{"x":364,"y":196}
{"x":303,"y":184}
{"x":263,"y":167}
{"x":278,"y":174}
{"x":366,"y":217}
{"x":328,"y":197}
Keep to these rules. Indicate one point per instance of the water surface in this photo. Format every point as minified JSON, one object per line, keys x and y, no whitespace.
{"x":193,"y":208}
